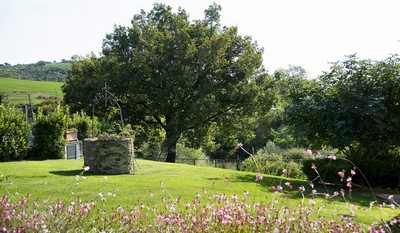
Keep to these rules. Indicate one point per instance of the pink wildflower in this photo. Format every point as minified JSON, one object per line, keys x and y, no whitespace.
{"x":302,"y":189}
{"x":277,"y":188}
{"x":235,"y":198}
{"x":314,"y":191}
{"x":341,"y":174}
{"x":332,"y":157}
{"x":312,"y":202}
{"x":318,"y":155}
{"x":335,"y":194}
{"x":288,"y":184}
{"x":353,"y":171}
{"x":349,"y":182}
{"x":259,"y":177}
{"x":313,"y":167}
{"x":309,"y":151}
{"x":239,"y":146}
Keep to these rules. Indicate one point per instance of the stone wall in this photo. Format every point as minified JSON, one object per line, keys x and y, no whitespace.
{"x":108,"y":155}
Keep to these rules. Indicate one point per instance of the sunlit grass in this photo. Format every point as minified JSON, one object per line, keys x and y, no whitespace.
{"x":61,"y":180}
{"x":17,"y":90}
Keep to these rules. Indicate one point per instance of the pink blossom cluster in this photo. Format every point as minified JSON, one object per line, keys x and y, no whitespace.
{"x":205,"y":213}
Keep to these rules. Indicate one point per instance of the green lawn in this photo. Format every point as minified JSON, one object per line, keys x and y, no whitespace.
{"x":17,"y":90}
{"x":56,"y":180}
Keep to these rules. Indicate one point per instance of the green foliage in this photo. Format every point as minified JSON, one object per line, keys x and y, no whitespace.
{"x":270,"y":148}
{"x":273,"y":160}
{"x":83,"y":123}
{"x":151,"y":150}
{"x":273,"y":164}
{"x":83,"y":83}
{"x":170,"y":73}
{"x":377,"y":172}
{"x":295,"y":154}
{"x":48,"y":132}
{"x":40,"y":71}
{"x":14,"y":134}
{"x":354,"y":107}
{"x":183,"y":152}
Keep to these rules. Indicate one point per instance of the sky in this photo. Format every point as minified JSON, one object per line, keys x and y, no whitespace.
{"x":307,"y":33}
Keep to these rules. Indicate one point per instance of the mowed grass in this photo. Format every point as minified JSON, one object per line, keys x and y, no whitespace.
{"x":59,"y":180}
{"x":17,"y":90}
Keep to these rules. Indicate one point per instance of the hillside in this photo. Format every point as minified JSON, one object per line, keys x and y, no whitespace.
{"x":16,"y":91}
{"x":40,"y":71}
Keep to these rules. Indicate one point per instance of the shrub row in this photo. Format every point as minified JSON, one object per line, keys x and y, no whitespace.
{"x":47,"y":133}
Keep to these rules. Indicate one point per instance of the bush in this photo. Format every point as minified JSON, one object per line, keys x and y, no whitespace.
{"x":48,"y":132}
{"x":295,"y":154}
{"x":378,"y":172}
{"x":83,"y":123}
{"x":14,"y":134}
{"x":273,"y":164}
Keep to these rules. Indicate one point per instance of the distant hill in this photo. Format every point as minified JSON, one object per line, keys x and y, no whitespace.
{"x":40,"y":71}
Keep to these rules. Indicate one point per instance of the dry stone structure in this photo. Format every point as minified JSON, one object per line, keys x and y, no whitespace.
{"x":109,"y":155}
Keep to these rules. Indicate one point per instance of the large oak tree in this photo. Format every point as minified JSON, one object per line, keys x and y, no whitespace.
{"x":177,"y":75}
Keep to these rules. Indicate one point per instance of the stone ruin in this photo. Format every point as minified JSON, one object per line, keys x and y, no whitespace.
{"x":109,"y":155}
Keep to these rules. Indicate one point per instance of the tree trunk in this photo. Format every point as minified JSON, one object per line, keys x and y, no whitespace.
{"x":171,"y":141}
{"x":171,"y":155}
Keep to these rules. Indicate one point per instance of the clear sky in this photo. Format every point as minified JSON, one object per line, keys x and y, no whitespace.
{"x":308,"y":33}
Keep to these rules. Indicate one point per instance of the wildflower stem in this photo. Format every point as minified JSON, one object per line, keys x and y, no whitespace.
{"x":366,"y":180}
{"x":255,"y":162}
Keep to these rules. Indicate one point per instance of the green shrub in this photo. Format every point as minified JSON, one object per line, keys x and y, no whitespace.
{"x":295,"y":154}
{"x":83,"y":123}
{"x":269,"y":148}
{"x":378,"y":172}
{"x":48,"y":132}
{"x":273,"y":164}
{"x":14,"y":134}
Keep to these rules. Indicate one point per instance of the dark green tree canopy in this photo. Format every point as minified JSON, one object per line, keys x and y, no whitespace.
{"x":178,"y":75}
{"x":355,"y":107}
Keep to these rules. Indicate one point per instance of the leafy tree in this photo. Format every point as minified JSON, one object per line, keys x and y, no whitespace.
{"x":177,"y":75}
{"x":273,"y":126}
{"x":355,"y":107}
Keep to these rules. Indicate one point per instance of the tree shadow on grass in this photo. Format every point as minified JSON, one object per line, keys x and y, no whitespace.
{"x":359,"y":197}
{"x":71,"y":173}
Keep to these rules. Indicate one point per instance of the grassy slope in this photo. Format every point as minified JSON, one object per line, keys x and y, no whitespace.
{"x":56,"y":180}
{"x":17,"y":90}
